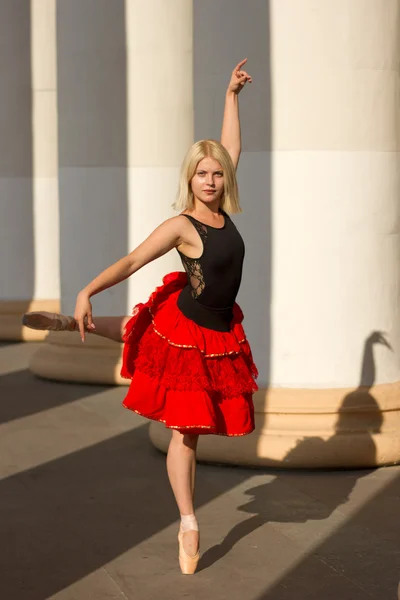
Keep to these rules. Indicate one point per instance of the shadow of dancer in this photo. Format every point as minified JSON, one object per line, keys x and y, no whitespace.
{"x":281,"y":500}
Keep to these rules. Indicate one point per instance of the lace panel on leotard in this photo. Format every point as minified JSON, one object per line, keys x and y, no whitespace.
{"x":192,"y":265}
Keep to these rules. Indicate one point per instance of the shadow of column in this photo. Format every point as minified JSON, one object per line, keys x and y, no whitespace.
{"x":269,"y":503}
{"x":360,"y":557}
{"x":17,"y":256}
{"x":93,"y":188}
{"x":63,"y":520}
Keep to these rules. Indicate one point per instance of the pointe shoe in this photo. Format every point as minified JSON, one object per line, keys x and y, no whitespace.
{"x":187,"y":563}
{"x":48,"y":321}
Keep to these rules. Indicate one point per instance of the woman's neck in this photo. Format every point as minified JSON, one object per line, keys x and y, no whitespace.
{"x":206,"y":209}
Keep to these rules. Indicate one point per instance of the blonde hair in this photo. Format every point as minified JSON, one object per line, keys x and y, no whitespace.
{"x":200,"y":150}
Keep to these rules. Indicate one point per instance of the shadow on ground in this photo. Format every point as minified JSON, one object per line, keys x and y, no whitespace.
{"x":35,"y":395}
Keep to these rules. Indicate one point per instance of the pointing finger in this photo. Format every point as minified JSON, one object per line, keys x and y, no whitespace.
{"x":82,"y":329}
{"x":240,"y":65}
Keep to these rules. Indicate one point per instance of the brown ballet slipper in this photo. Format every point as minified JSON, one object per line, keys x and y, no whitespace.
{"x":49,"y":321}
{"x":187,"y":563}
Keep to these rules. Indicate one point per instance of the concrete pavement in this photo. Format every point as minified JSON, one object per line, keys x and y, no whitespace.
{"x":86,"y":511}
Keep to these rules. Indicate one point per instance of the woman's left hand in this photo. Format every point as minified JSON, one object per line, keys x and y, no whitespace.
{"x":239,"y":78}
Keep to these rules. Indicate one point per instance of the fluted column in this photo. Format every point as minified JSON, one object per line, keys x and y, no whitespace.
{"x":29,"y":243}
{"x":328,"y":343}
{"x":125,"y":111}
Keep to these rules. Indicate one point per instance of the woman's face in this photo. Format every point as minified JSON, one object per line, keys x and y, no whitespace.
{"x":208,"y":181}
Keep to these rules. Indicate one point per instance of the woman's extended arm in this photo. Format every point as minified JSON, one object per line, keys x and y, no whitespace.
{"x":230,"y":136}
{"x":160,"y":241}
{"x":165,"y":237}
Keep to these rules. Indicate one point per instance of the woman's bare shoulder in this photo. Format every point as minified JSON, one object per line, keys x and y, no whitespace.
{"x":177,"y":226}
{"x":176,"y":221}
{"x":179,"y":222}
{"x":181,"y":228}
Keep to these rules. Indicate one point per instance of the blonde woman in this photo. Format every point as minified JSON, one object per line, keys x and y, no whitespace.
{"x":185,"y":350}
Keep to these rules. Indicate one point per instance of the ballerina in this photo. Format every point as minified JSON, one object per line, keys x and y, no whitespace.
{"x":185,"y":350}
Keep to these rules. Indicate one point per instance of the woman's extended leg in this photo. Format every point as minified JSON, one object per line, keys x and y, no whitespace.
{"x":181,"y":467}
{"x":108,"y":327}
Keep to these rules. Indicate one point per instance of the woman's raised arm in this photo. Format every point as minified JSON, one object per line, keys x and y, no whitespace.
{"x":230,"y":136}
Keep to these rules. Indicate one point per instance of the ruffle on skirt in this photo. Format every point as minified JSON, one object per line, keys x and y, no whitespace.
{"x":193,"y":379}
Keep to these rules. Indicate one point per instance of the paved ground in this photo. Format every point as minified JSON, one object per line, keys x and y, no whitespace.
{"x":86,"y":511}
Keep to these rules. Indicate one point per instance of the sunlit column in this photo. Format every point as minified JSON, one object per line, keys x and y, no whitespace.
{"x":125,"y":111}
{"x":329,"y":365}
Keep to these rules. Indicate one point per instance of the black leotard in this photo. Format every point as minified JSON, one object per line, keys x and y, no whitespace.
{"x":213,"y":278}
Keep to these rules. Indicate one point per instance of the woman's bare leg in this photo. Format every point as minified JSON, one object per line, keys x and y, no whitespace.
{"x":109,"y":327}
{"x":181,"y":468}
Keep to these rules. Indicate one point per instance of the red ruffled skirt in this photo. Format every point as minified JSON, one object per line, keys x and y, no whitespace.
{"x":190,"y":378}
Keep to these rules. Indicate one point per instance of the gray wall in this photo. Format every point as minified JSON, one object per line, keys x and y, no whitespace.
{"x":17,"y":261}
{"x":92,"y":110}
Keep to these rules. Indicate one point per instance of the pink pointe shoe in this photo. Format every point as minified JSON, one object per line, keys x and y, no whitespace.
{"x":187,"y":563}
{"x":48,"y":321}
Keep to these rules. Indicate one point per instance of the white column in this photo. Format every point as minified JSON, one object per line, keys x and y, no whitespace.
{"x":336,"y":244}
{"x":29,"y":257}
{"x":329,"y":384}
{"x":159,"y":121}
{"x":125,"y":110}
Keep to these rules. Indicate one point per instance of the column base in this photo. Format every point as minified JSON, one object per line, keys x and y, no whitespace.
{"x":11,"y":311}
{"x":65,"y":358}
{"x":295,"y":428}
{"x":299,"y":428}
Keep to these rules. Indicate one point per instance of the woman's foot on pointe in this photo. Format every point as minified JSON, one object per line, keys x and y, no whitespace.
{"x":189,"y":551}
{"x":49,"y":321}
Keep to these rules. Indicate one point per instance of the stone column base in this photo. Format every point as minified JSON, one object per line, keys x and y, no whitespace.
{"x":299,"y":428}
{"x":11,"y":312}
{"x":295,"y":428}
{"x":65,"y":358}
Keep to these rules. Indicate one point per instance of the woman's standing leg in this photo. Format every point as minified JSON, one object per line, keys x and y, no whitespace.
{"x":181,"y":468}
